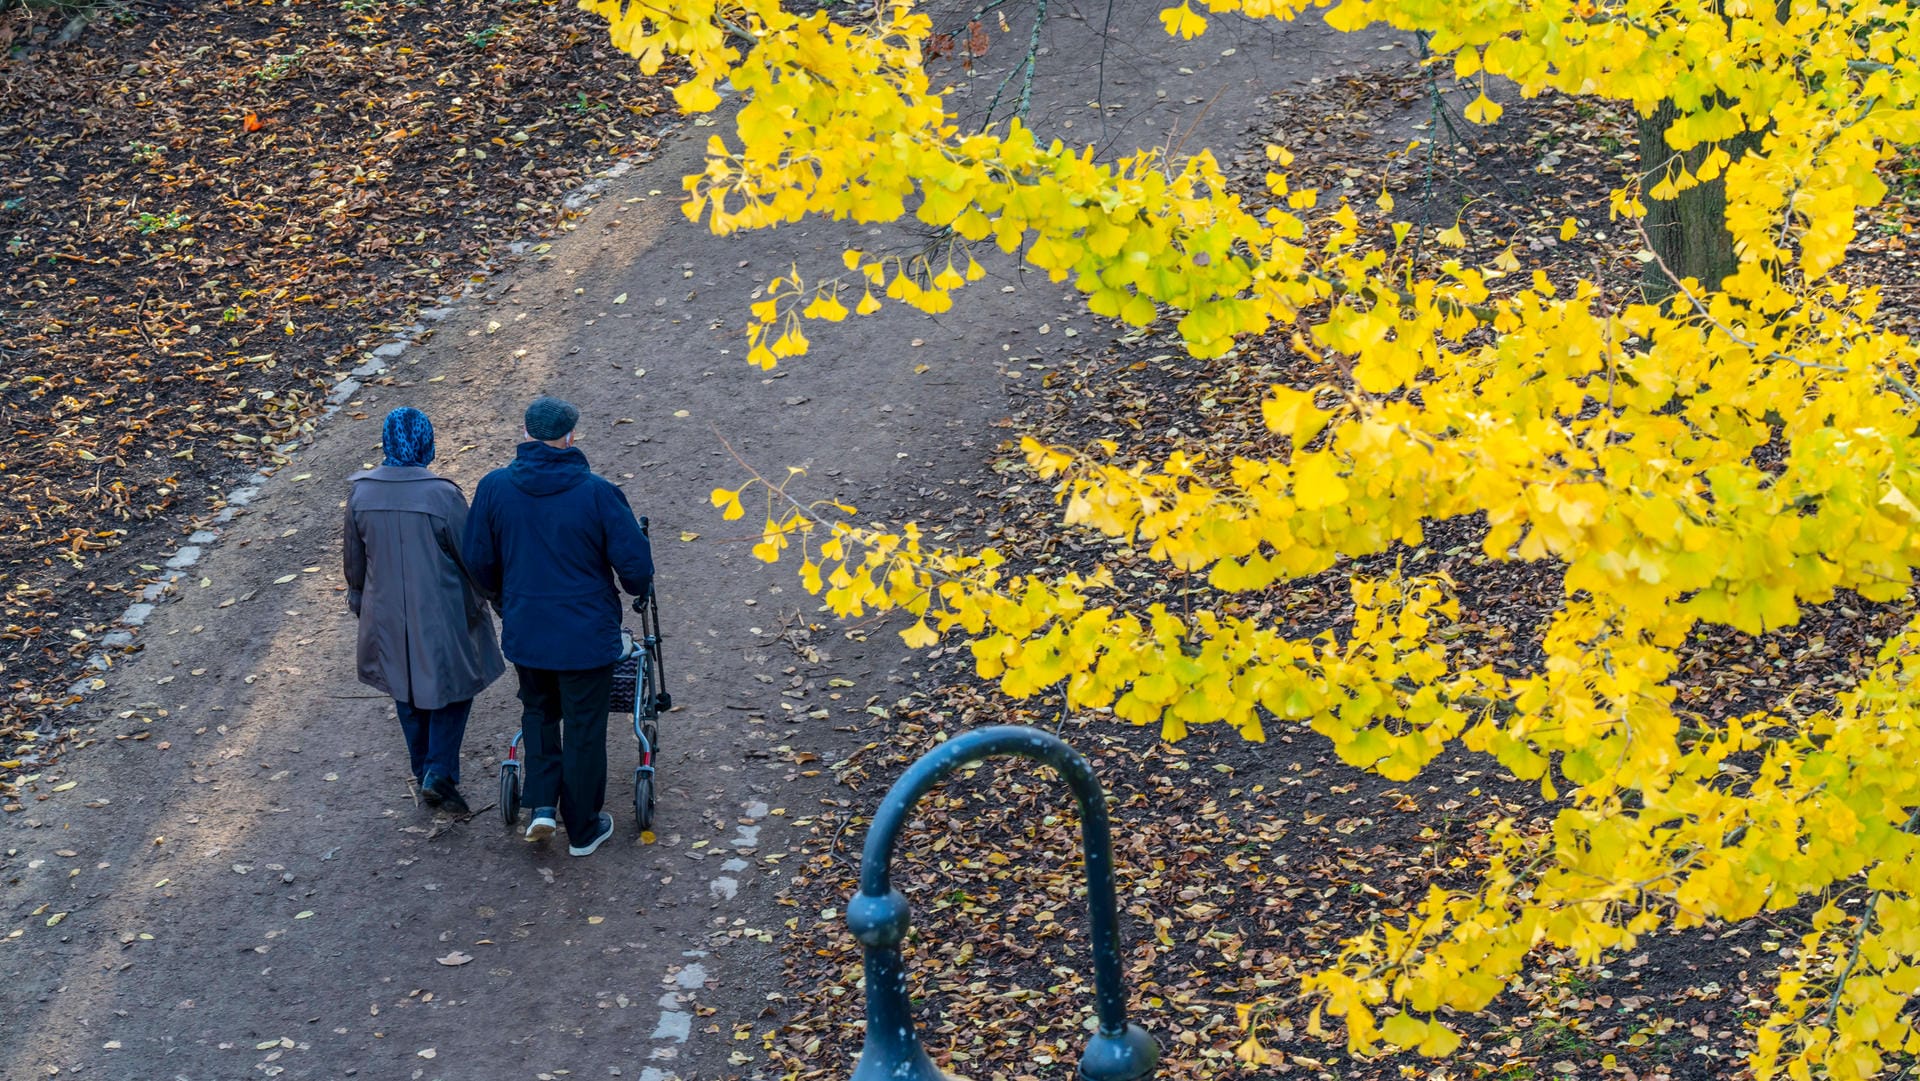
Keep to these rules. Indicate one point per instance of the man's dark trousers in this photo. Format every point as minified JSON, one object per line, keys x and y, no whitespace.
{"x":569,"y":771}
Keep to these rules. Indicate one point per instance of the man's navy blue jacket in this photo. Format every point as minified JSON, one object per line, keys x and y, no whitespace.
{"x":547,"y":535}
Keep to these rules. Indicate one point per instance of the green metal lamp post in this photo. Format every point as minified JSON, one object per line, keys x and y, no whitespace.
{"x":878,"y":915}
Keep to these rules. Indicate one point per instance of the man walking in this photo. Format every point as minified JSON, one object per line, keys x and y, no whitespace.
{"x":549,"y":537}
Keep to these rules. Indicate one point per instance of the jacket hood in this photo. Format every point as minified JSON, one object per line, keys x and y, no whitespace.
{"x":539,"y":469}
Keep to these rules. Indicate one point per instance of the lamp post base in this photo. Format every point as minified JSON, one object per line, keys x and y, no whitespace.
{"x":1123,"y":1056}
{"x":893,"y":1061}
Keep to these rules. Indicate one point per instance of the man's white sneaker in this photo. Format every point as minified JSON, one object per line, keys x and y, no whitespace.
{"x":586,"y":849}
{"x":542,"y":826}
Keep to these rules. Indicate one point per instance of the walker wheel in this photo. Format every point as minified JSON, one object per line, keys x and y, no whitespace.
{"x":510,"y":794}
{"x":643,"y":799}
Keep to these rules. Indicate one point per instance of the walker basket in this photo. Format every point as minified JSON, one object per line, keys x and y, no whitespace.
{"x":626,"y":676}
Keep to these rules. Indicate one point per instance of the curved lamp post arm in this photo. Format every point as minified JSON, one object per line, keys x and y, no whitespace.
{"x":879,"y":917}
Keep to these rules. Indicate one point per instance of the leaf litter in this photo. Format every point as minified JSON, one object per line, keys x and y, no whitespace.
{"x":208,"y":214}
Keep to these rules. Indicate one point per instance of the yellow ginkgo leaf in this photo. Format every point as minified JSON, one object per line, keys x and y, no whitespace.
{"x":1183,"y":21}
{"x":1315,"y":483}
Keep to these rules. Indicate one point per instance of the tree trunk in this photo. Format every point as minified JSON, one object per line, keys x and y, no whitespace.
{"x":1689,"y":231}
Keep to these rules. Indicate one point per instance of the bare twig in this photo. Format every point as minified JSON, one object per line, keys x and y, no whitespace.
{"x":1033,"y":55}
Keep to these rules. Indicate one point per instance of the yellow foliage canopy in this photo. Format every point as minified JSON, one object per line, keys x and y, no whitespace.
{"x":1618,"y":443}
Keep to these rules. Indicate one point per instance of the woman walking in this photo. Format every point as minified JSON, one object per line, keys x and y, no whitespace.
{"x":425,"y":636}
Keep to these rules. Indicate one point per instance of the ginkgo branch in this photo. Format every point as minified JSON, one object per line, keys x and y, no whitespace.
{"x":1700,"y":308}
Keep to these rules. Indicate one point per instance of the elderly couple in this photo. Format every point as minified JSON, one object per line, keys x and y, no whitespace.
{"x":544,"y":541}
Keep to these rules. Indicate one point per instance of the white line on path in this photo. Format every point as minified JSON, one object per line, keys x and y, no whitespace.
{"x":675,"y":1026}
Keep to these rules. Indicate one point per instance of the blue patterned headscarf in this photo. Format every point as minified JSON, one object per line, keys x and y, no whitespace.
{"x":408,"y":437}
